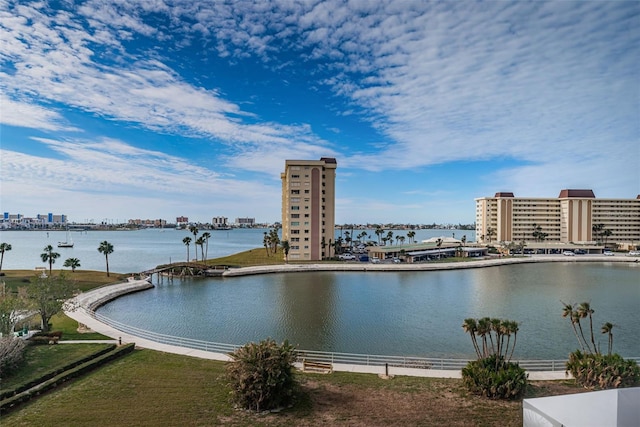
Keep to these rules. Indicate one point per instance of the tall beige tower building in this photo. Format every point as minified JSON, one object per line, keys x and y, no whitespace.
{"x":308,"y":208}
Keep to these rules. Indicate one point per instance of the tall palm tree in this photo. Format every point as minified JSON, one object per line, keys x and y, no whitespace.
{"x":470,"y":327}
{"x":206,"y":236}
{"x":187,"y":242}
{"x":193,"y":229}
{"x":379,"y":231}
{"x":106,"y":249}
{"x":49,"y":256}
{"x":567,"y":311}
{"x":484,"y":328}
{"x":200,"y":242}
{"x":411,"y":234}
{"x":585,"y":310}
{"x":439,"y":244}
{"x":514,"y":327}
{"x":73,"y":263}
{"x":607,"y":329}
{"x":4,"y":247}
{"x":285,"y":249}
{"x":265,"y":242}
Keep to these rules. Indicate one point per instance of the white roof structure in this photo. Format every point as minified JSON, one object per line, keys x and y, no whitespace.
{"x":606,"y":408}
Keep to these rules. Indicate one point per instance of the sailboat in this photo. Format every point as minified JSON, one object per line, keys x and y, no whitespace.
{"x":67,"y":243}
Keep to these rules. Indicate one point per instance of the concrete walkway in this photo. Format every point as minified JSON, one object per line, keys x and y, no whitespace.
{"x":78,"y":308}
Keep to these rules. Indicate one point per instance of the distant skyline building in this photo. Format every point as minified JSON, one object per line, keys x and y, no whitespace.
{"x":245,"y":222}
{"x":568,"y":218}
{"x":308,"y":208}
{"x":10,"y":220}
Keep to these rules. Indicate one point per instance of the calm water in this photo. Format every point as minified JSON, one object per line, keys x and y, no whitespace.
{"x":141,"y":250}
{"x":406,"y":313}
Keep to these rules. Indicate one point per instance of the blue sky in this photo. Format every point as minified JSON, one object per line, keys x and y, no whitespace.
{"x":155,"y":109}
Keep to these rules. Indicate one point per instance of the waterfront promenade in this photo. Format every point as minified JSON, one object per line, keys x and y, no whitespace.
{"x":82,"y":307}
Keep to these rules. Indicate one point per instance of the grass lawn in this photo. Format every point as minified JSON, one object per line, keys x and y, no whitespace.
{"x":40,"y":359}
{"x":150,"y":388}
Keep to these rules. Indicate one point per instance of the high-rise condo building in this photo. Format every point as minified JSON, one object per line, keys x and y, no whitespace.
{"x":574,"y":216}
{"x":308,"y":208}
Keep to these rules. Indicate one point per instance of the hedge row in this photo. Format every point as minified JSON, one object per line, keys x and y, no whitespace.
{"x":12,"y":402}
{"x":48,"y":375}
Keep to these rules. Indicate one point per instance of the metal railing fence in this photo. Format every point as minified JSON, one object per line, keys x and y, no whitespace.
{"x":330,"y":357}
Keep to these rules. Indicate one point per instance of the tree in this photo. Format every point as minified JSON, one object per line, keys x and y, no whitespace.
{"x":606,"y":233}
{"x":490,"y":233}
{"x":106,"y":249}
{"x":379,"y":232}
{"x":9,"y":311}
{"x":265,"y":242}
{"x":206,"y":236}
{"x":285,"y":248}
{"x":187,"y":242}
{"x":73,"y":263}
{"x":4,"y":247}
{"x":607,"y":328}
{"x":261,"y":375}
{"x":585,"y":310}
{"x":194,"y":230}
{"x":470,"y":326}
{"x":597,"y":232}
{"x":439,"y":244}
{"x":47,"y":296}
{"x":200,"y":242}
{"x":49,"y":256}
{"x":411,"y":234}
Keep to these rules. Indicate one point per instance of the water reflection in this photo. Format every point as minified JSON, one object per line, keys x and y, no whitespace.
{"x":403,"y":313}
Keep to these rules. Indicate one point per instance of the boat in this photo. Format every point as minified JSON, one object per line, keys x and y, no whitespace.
{"x":67,"y":243}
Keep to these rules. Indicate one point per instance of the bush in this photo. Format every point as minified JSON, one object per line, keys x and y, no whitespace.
{"x":11,"y":354}
{"x":495,"y":378}
{"x":261,"y":375}
{"x":597,"y":371}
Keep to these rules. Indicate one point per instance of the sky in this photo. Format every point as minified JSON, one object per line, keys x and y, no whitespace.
{"x":116,"y":110}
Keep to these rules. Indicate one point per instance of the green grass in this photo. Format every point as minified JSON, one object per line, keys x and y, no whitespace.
{"x":83,"y":279}
{"x":40,"y":359}
{"x":150,"y":388}
{"x":69,"y":328}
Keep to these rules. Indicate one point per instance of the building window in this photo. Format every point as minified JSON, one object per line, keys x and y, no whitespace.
{"x":295,"y":215}
{"x":295,"y":231}
{"x":295,"y":191}
{"x":295,"y":223}
{"x":295,"y":208}
{"x":295,"y":176}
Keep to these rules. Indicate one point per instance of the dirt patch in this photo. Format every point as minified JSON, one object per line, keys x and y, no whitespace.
{"x":404,"y":402}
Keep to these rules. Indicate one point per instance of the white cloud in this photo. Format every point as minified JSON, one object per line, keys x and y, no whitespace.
{"x":15,"y":113}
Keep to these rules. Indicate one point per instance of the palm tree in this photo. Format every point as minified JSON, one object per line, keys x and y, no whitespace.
{"x":401,"y":238}
{"x":4,"y":247}
{"x":411,"y":234}
{"x":585,"y":310}
{"x":470,"y":327}
{"x":206,"y":236}
{"x":285,"y":249}
{"x":379,"y":231}
{"x":194,"y":230}
{"x":73,"y":263}
{"x":187,"y":242}
{"x":50,"y":256}
{"x":484,"y":328}
{"x":439,"y":244}
{"x":490,"y":232}
{"x":606,"y":329}
{"x":200,"y":242}
{"x":265,"y":242}
{"x":106,"y":248}
{"x":514,"y":327}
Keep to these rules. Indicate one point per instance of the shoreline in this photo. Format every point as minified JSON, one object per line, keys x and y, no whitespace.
{"x":428,"y":266}
{"x":81,"y":308}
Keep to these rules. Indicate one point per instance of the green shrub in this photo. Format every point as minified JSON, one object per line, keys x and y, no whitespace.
{"x":11,"y":354}
{"x":495,"y":378}
{"x":261,"y":375}
{"x":598,"y":371}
